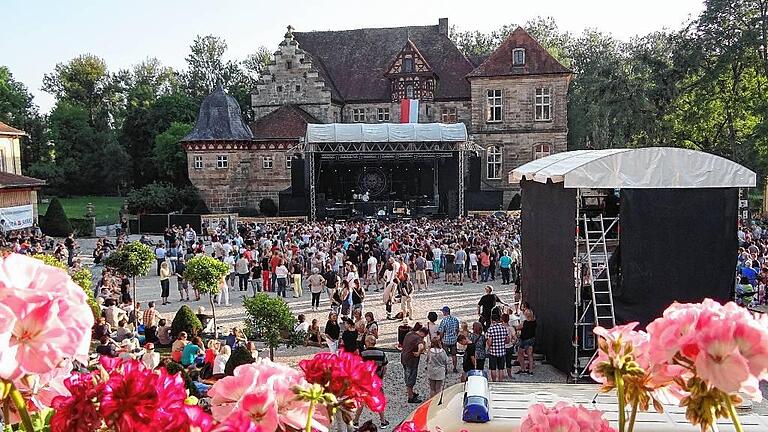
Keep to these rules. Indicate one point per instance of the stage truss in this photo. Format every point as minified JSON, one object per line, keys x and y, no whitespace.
{"x":387,"y":150}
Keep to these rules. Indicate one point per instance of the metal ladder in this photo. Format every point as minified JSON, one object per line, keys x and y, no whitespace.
{"x":600,"y":274}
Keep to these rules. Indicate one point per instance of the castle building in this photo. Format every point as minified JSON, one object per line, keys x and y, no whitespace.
{"x":513,"y":104}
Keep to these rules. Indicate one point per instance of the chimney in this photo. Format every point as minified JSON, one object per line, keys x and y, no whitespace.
{"x":442,"y":26}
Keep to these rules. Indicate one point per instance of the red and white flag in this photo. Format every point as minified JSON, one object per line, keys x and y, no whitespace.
{"x":409,"y":111}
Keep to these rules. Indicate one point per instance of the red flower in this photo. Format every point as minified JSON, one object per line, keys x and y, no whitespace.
{"x":347,"y":376}
{"x":76,"y":412}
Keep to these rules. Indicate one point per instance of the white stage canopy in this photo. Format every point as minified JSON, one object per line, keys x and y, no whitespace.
{"x":642,"y":168}
{"x":386,"y":132}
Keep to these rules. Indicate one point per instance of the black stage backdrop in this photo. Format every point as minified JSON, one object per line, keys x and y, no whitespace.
{"x":676,"y":244}
{"x":548,"y":229}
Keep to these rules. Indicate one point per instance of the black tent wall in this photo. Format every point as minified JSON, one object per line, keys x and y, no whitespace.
{"x":676,"y":244}
{"x":547,"y":231}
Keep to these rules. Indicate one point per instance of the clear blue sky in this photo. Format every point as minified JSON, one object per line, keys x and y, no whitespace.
{"x":37,"y":34}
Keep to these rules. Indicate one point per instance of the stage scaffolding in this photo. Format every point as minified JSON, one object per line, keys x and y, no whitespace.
{"x":386,"y":142}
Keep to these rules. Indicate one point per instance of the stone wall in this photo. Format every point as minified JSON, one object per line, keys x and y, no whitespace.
{"x":291,"y":79}
{"x":244,"y":183}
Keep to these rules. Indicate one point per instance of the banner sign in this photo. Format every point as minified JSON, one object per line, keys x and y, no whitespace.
{"x":18,"y":217}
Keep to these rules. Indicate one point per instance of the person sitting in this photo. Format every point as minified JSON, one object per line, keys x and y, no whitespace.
{"x":191,"y":351}
{"x":220,"y":362}
{"x":313,"y":335}
{"x":253,"y":350}
{"x":127,"y":348}
{"x":107,"y":347}
{"x":194,"y":376}
{"x":124,"y":331}
{"x":178,"y":347}
{"x":349,"y":336}
{"x":101,"y":329}
{"x":163,"y":333}
{"x":150,"y":358}
{"x":236,"y":338}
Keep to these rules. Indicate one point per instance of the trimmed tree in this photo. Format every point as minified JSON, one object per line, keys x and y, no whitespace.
{"x":55,"y":222}
{"x":206,"y":274}
{"x":132,"y":259}
{"x":270,"y":319}
{"x":185,"y":321}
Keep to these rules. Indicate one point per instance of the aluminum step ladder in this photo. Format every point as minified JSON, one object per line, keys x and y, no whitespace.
{"x":600,"y":274}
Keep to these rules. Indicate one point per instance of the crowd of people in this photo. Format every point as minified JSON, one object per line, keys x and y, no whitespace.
{"x":752,"y":265}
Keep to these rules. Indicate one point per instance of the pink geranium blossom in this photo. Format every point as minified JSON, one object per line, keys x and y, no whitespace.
{"x":265,"y":392}
{"x":563,"y":418}
{"x":348,"y":377}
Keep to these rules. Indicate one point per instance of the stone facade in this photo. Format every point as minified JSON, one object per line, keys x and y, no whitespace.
{"x":244,"y":181}
{"x":358,"y":76}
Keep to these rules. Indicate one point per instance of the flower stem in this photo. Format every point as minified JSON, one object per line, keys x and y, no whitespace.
{"x":21,"y":407}
{"x":622,"y":403}
{"x":633,"y":416}
{"x":733,"y":415}
{"x":310,"y":414}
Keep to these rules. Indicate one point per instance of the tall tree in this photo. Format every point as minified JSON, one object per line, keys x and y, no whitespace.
{"x":206,"y":67}
{"x":169,"y":157}
{"x":17,"y":109}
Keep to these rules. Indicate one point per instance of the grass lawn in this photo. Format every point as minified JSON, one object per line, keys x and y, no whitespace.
{"x":106,"y":208}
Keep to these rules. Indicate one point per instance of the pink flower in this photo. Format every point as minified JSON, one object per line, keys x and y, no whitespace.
{"x":265,"y":392}
{"x":563,"y":418}
{"x":619,"y":341}
{"x":49,"y":317}
{"x":347,"y":376}
{"x":76,"y":412}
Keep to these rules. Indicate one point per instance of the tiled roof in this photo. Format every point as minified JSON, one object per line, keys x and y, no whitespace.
{"x":355,"y":61}
{"x":288,"y":121}
{"x":8,"y":130}
{"x":537,"y":60}
{"x":219,"y":119}
{"x":8,"y":180}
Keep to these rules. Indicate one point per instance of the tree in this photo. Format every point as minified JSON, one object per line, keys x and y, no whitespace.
{"x":18,"y":110}
{"x":185,"y":320}
{"x":85,"y":81}
{"x":55,"y":222}
{"x":206,"y":274}
{"x":132,"y":260}
{"x":168,"y":156}
{"x":207,"y":67}
{"x":161,"y":198}
{"x":271,"y":319}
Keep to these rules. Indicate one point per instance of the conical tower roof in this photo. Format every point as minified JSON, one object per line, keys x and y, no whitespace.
{"x":220,"y":119}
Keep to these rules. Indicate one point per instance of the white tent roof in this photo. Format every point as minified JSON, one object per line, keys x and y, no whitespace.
{"x":385,"y":132}
{"x":643,"y":168}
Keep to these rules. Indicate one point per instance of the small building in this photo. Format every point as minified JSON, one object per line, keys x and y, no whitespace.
{"x":18,"y":193}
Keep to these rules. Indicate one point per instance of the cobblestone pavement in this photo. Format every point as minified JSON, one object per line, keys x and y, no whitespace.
{"x":461,"y":299}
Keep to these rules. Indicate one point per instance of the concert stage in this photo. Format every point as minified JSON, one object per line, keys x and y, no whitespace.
{"x":385,"y":170}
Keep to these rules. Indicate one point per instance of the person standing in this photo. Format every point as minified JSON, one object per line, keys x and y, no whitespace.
{"x":223,"y":293}
{"x":527,"y":341}
{"x":497,"y":337}
{"x":420,"y":265}
{"x":266,"y":278}
{"x":316,"y":284}
{"x":405,"y":288}
{"x":448,"y":331}
{"x":371,"y":273}
{"x":70,"y":244}
{"x":165,"y":282}
{"x":241,"y":267}
{"x":331,"y":332}
{"x":160,"y":255}
{"x":459,"y":259}
{"x":485,"y":265}
{"x":469,"y":361}
{"x":486,"y":305}
{"x":281,"y":278}
{"x":296,"y":270}
{"x":371,"y":353}
{"x":437,"y":367}
{"x":478,"y":338}
{"x":505,"y":264}
{"x":413,"y":348}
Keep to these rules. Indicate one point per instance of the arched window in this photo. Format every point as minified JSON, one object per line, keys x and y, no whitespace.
{"x":493,"y":162}
{"x":409,"y":92}
{"x":541,"y":150}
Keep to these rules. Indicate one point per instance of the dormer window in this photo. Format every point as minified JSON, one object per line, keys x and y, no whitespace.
{"x":409,"y":92}
{"x":518,"y":57}
{"x":408,"y":64}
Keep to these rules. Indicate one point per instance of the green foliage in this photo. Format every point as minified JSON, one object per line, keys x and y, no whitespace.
{"x":50,"y":260}
{"x":185,"y":321}
{"x":132,"y":259}
{"x":205,"y":272}
{"x":55,"y":223}
{"x":17,"y":109}
{"x":269,"y":318}
{"x":161,"y":198}
{"x":239,"y":357}
{"x":106,"y":208}
{"x":84,"y":278}
{"x":268,"y":207}
{"x":82,"y":227}
{"x":170,"y":158}
{"x":174,"y":368}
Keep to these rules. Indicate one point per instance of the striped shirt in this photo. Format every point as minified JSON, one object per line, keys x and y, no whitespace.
{"x":149,"y":317}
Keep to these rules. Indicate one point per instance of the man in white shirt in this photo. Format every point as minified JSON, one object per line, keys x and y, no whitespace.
{"x":372,"y":273}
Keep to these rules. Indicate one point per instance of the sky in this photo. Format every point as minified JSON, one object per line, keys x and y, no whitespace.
{"x":38,"y":34}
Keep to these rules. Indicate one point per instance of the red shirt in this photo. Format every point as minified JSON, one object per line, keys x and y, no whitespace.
{"x":274,"y":262}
